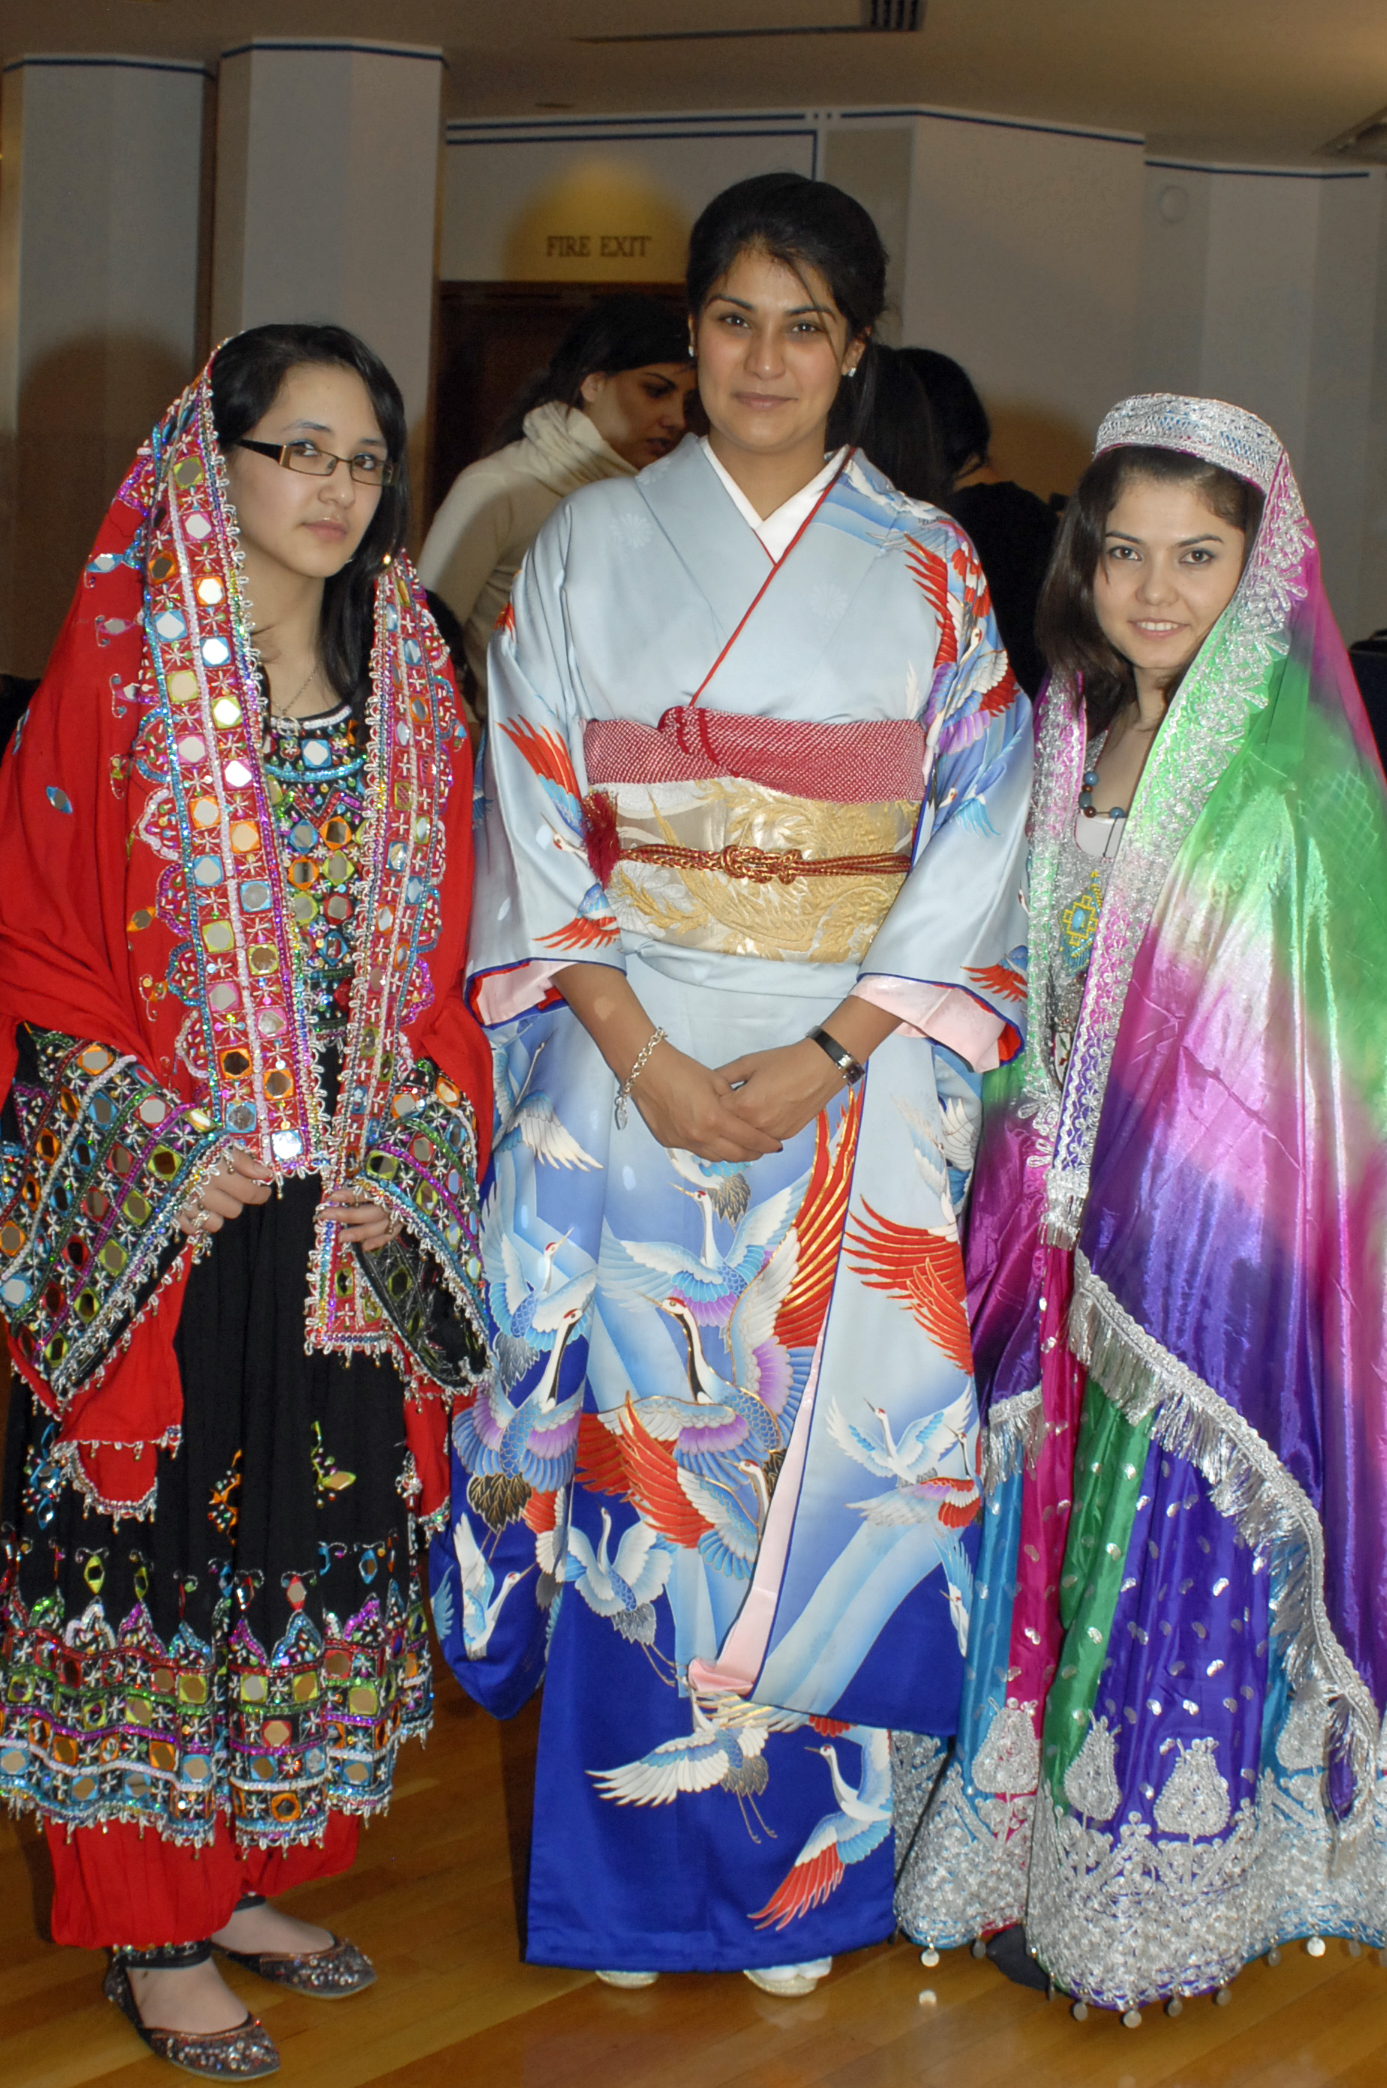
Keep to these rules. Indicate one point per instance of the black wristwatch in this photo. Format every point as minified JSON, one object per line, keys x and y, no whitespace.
{"x":845,"y":1062}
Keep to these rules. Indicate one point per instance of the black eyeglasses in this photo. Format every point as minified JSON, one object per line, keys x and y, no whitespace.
{"x":305,"y":456}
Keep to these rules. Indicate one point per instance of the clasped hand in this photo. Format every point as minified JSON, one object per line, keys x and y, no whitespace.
{"x":739,"y":1111}
{"x":243,"y":1179}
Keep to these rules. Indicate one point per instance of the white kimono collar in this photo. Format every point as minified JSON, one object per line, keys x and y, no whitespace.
{"x":778,"y":530}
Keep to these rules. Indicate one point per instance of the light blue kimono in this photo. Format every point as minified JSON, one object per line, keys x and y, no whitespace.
{"x":763,"y":1373}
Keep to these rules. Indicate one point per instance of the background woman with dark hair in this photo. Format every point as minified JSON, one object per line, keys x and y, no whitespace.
{"x":755,"y":784}
{"x":1012,"y":529}
{"x":899,"y":437}
{"x":610,"y":400}
{"x":1168,"y":1757}
{"x":235,"y":872}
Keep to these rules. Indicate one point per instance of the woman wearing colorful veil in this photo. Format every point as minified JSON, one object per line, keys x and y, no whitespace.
{"x":1168,"y":1750}
{"x":235,"y":871}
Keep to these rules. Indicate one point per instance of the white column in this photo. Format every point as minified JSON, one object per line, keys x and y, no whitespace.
{"x":1262,"y":286}
{"x":99,"y":213}
{"x":327,"y":194}
{"x":1022,"y":262}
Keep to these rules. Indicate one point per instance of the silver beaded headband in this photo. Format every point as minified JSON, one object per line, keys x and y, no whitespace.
{"x":1208,"y":428}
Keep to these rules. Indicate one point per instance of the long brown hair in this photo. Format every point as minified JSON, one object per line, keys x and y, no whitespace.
{"x":1066,"y":626}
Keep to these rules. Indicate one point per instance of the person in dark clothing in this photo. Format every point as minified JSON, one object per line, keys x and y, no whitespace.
{"x":1012,"y":528}
{"x":1369,"y":662}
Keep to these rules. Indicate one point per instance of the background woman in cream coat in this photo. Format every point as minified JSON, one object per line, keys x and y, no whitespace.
{"x":610,"y":401}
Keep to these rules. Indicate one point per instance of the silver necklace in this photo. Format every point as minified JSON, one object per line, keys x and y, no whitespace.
{"x":284,"y":710}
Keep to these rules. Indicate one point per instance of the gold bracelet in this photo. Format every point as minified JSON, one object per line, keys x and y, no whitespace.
{"x":619,"y":1110}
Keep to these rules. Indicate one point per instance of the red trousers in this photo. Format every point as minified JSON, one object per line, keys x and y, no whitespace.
{"x":118,"y":1885}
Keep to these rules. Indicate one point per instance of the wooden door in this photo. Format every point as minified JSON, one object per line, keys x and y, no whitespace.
{"x":490,"y":338}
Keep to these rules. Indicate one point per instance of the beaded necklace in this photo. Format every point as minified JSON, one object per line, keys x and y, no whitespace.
{"x":314,"y":769}
{"x":1086,"y":804}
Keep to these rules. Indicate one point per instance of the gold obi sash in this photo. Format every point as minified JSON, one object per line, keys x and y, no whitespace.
{"x":728,"y":865}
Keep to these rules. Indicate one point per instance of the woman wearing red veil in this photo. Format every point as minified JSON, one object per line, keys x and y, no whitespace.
{"x":239,"y":1154}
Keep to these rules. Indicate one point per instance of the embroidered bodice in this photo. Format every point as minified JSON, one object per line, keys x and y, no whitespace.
{"x":315,"y":768}
{"x":1081,"y":884}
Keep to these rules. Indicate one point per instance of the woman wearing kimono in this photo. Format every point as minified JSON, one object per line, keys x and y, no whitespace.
{"x":753,"y":815}
{"x":233,"y":906}
{"x":1167,"y":1756}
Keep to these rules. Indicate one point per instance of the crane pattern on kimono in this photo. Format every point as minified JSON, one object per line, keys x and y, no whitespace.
{"x":923,"y":1493}
{"x":481,"y":1600}
{"x":514,"y":1451}
{"x":953,"y":584}
{"x":858,"y":1825}
{"x":712,"y":1502}
{"x":701,"y":1471}
{"x":708,"y":1283}
{"x":725,"y":1749}
{"x":532,"y":1295}
{"x":622,"y":1587}
{"x":594,"y":925}
{"x":526,"y":1116}
{"x":922,"y":1268}
{"x":1004,"y":981}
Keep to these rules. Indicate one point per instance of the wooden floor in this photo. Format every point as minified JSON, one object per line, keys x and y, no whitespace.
{"x":432,"y":1900}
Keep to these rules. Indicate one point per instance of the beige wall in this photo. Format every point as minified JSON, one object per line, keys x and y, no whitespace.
{"x":1023,"y":263}
{"x":1013,"y":247}
{"x":1264,"y":287}
{"x":872,"y":162}
{"x":599,"y":200}
{"x":1060,"y":268}
{"x":99,"y":222}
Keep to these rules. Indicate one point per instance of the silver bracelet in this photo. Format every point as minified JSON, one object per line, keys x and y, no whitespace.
{"x":619,"y":1110}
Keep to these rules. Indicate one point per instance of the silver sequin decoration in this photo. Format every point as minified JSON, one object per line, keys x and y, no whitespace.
{"x":1195,"y":1799}
{"x":1009,"y":1759}
{"x":1208,"y":428}
{"x":1090,"y":1781}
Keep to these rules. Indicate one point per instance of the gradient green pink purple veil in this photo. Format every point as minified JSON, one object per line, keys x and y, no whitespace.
{"x":1200,"y":1219}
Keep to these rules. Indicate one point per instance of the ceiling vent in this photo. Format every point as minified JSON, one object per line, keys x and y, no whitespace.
{"x":1367,"y":142}
{"x":878,"y":17}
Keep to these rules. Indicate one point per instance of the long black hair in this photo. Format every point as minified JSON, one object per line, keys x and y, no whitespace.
{"x":246,"y":379}
{"x":1066,"y":627}
{"x":618,"y":333}
{"x":802,"y":224}
{"x":899,"y":435}
{"x":961,"y":426}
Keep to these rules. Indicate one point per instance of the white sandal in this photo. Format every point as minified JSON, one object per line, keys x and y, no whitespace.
{"x":790,"y":1982}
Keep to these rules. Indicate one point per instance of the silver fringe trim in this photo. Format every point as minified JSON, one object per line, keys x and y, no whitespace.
{"x":1248,"y":1484}
{"x":1066,"y":1193}
{"x":1015,"y":1431}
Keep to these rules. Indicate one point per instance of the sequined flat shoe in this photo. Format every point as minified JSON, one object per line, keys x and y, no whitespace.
{"x":329,"y":1974}
{"x":245,"y":2053}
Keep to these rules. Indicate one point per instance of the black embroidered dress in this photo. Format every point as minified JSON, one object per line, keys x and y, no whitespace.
{"x":257,"y":1647}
